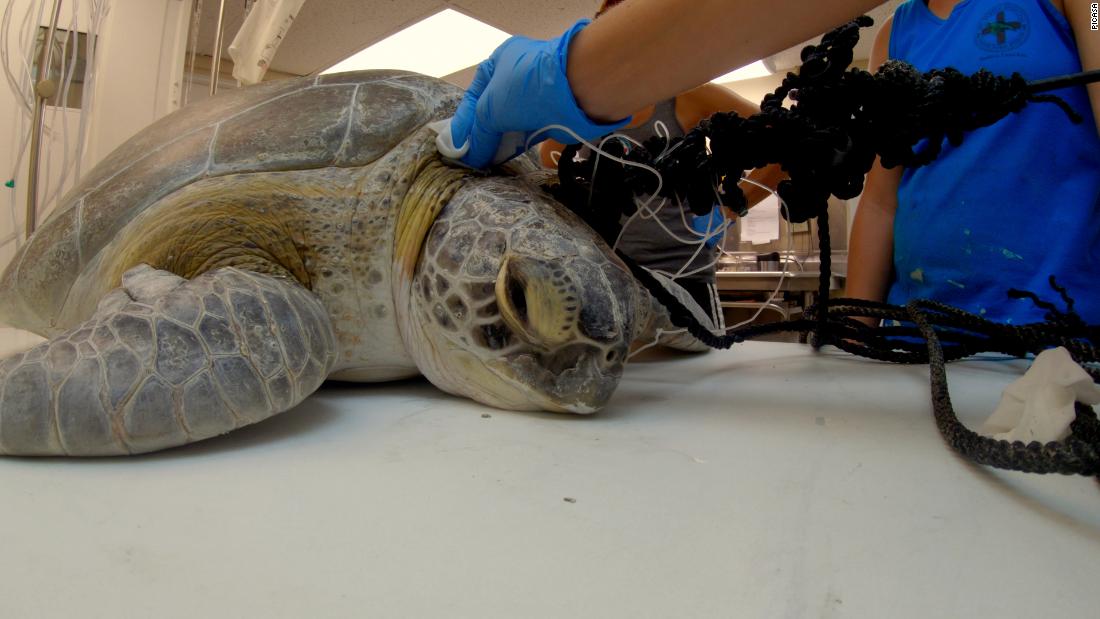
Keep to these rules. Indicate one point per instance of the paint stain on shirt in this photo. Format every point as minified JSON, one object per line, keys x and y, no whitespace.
{"x":917,"y":275}
{"x":1011,"y":255}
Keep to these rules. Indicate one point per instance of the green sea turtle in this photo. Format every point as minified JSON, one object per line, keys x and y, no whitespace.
{"x":220,"y":265}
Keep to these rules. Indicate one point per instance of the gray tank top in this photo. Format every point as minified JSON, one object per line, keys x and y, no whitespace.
{"x":643,"y":239}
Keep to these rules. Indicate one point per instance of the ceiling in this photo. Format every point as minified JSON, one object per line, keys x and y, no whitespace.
{"x":791,"y":58}
{"x":327,"y":31}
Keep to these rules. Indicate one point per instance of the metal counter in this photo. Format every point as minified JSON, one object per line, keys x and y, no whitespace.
{"x":798,"y":283}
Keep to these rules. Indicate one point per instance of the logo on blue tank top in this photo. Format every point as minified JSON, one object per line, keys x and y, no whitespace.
{"x":1004,"y":28}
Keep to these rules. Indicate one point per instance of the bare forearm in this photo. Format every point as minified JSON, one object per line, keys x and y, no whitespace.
{"x":871,"y":247}
{"x":1079,"y":14}
{"x":768,"y":175}
{"x":686,"y":44}
{"x":871,"y":253}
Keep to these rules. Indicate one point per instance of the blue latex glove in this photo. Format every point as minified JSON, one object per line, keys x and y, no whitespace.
{"x":710,"y":225}
{"x":520,"y":89}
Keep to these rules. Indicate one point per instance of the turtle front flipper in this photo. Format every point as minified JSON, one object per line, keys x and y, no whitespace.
{"x":658,"y":330}
{"x":166,"y":361}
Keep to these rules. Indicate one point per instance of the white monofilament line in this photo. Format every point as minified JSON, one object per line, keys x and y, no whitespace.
{"x":644,"y":211}
{"x":20,"y":84}
{"x":18,"y":73}
{"x":771,"y":297}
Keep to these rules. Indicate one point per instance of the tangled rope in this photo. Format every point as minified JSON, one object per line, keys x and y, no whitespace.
{"x":826,"y":141}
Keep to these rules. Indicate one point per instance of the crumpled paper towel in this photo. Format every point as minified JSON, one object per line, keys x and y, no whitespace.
{"x":1038,"y":406}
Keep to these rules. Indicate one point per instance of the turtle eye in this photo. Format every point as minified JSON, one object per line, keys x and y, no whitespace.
{"x":517,"y":297}
{"x":511,"y":293}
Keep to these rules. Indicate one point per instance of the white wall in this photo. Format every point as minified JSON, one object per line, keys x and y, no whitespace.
{"x":140,"y":65}
{"x":142,"y":69}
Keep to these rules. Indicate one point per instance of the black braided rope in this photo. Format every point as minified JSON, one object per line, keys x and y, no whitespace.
{"x":1074,"y":455}
{"x":950,"y":334}
{"x":826,"y":141}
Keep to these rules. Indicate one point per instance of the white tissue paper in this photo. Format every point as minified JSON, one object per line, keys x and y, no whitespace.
{"x":511,"y":143}
{"x":1038,"y":406}
{"x":260,"y":36}
{"x":444,"y":143}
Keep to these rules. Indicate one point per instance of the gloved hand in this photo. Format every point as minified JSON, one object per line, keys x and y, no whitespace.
{"x":520,"y":89}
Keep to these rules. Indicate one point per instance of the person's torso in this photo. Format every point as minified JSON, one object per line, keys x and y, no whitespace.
{"x":1016,"y":202}
{"x":658,"y":242}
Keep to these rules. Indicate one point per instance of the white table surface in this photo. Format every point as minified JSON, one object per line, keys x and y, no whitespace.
{"x":766,"y":481}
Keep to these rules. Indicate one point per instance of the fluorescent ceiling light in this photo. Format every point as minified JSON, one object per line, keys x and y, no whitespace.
{"x":747,"y":72}
{"x":439,"y":45}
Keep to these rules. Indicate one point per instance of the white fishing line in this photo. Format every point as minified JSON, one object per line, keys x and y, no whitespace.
{"x":643,"y":210}
{"x":18,"y":42}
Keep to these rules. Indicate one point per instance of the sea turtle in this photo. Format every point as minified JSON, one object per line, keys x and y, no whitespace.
{"x":221,"y":264}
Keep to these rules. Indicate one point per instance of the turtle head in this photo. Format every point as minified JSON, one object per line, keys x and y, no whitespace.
{"x":516,"y":303}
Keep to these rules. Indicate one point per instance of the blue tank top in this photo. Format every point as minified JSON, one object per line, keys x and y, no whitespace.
{"x":1017,"y":201}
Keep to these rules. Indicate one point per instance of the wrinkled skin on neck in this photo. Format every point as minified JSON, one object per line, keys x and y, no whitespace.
{"x":517,"y":304}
